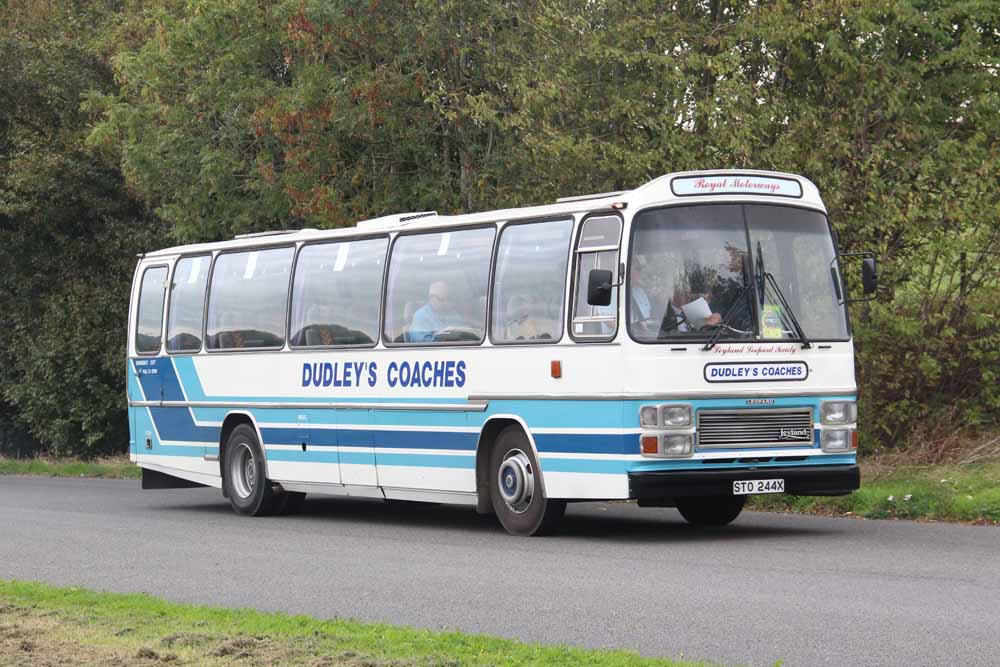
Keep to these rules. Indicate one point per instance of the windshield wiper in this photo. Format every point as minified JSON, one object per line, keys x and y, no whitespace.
{"x":764,"y":275}
{"x":724,"y":324}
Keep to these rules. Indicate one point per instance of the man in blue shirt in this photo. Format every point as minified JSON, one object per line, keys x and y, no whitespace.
{"x":437,"y":314}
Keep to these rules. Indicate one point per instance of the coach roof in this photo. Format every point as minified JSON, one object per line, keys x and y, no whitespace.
{"x":656,"y":191}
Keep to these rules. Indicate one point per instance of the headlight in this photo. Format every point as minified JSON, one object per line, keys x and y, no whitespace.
{"x":836,"y":440}
{"x":675,"y":416}
{"x":839,"y":412}
{"x":677,"y":445}
{"x":649,"y":415}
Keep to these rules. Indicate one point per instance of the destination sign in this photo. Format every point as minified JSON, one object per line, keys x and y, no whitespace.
{"x":729,"y":184}
{"x":765,"y":371}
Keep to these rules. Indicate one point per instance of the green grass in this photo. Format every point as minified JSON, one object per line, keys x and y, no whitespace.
{"x":99,"y":627}
{"x":110,"y":468}
{"x":941,"y":493}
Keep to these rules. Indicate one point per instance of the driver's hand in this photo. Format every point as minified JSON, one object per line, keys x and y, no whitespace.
{"x":714,"y":319}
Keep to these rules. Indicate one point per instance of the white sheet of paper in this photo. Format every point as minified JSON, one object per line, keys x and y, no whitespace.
{"x":697,"y":310}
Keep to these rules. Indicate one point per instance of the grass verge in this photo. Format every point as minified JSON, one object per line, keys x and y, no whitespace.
{"x":118,"y":467}
{"x":969,"y":493}
{"x":45,"y":625}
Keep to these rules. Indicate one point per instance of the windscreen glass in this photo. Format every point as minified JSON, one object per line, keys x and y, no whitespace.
{"x":748,"y":269}
{"x":793,"y":254}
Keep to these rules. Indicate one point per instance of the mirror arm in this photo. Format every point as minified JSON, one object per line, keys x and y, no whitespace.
{"x":863,"y":255}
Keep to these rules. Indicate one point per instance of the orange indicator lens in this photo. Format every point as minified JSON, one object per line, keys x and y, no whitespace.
{"x":854,"y":439}
{"x":556,"y":369}
{"x":650,"y":444}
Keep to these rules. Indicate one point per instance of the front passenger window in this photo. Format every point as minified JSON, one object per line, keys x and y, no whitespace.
{"x":530,"y":282}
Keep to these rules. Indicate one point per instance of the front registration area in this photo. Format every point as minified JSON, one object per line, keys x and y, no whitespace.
{"x":814,"y":480}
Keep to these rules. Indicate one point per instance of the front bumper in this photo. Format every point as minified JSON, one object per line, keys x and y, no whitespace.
{"x":814,"y":480}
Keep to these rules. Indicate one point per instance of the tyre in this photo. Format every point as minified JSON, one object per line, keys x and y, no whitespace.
{"x":516,"y":487}
{"x":711,"y":510}
{"x":244,"y":476}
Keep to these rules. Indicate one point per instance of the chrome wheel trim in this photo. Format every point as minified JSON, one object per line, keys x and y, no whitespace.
{"x":516,"y":481}
{"x":242,"y":470}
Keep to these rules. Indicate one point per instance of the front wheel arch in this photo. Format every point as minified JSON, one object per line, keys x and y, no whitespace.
{"x":232,"y":420}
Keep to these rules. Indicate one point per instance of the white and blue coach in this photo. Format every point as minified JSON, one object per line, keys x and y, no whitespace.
{"x":684,"y":344}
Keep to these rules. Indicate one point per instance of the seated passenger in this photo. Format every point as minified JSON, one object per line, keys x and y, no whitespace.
{"x":437,"y":314}
{"x":525,"y":321}
{"x":318,"y":331}
{"x":642,"y":309}
{"x":230,"y":336}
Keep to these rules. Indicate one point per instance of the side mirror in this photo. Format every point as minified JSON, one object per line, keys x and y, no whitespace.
{"x":599,"y":287}
{"x":869,"y":276}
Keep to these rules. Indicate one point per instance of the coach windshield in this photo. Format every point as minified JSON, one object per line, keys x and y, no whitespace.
{"x":751,"y":269}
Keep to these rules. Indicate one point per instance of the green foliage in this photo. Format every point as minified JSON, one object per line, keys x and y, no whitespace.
{"x":321,"y":113}
{"x":244,"y":116}
{"x":68,"y":237}
{"x":109,"y":468}
{"x":943,"y":493}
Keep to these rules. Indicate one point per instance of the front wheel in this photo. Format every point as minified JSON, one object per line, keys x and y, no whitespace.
{"x":711,"y":510}
{"x":516,"y":488}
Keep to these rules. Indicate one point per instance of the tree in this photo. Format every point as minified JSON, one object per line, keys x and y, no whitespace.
{"x":69,"y":232}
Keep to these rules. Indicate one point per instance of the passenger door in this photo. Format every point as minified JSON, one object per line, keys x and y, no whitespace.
{"x":145,"y":381}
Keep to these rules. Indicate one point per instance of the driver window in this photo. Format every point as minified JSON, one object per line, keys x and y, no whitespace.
{"x":437,"y":287}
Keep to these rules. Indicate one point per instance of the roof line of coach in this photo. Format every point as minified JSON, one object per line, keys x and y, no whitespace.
{"x":649,"y":193}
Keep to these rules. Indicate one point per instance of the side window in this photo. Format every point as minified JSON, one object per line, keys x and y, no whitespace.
{"x":437,"y":287}
{"x":248,"y":298}
{"x":186,"y":312}
{"x":530,"y":282}
{"x":337,"y":293}
{"x":149,"y":319}
{"x":597,"y":248}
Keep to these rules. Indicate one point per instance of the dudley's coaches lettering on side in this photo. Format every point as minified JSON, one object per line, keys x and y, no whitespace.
{"x":440,"y":373}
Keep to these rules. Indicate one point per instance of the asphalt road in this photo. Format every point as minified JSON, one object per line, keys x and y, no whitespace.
{"x":806,"y":590}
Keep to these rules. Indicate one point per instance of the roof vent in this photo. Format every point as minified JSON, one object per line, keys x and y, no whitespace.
{"x":599,"y":195}
{"x":273,"y":232}
{"x":396,"y":219}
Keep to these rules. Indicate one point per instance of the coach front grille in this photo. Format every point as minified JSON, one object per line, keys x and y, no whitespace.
{"x":724,"y":429}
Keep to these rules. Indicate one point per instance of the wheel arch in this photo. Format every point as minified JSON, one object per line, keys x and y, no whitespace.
{"x":484,"y":445}
{"x":233,"y":419}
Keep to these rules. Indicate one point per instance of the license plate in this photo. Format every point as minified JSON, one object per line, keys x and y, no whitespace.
{"x":748,"y":486}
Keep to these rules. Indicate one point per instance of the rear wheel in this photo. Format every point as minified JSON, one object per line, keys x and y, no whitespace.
{"x":516,"y":488}
{"x":711,"y":510}
{"x":244,"y":474}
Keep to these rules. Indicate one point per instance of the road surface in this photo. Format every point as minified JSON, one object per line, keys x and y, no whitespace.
{"x":806,"y":590}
